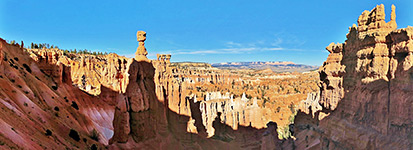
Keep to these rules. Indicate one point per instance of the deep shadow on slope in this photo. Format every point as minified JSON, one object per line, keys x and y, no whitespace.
{"x":41,"y":109}
{"x":373,"y":123}
{"x":157,"y":127}
{"x":49,"y":112}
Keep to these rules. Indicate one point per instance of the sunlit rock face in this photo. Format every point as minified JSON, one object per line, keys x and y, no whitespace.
{"x":56,"y":100}
{"x":89,"y":100}
{"x":88,"y":72}
{"x":365,"y":94}
{"x":102,"y":73}
{"x":41,"y":109}
{"x":140,"y":54}
{"x":271,"y":97}
{"x":234,"y":112}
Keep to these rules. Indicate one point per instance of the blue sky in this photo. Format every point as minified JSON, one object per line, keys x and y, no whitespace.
{"x":202,"y":31}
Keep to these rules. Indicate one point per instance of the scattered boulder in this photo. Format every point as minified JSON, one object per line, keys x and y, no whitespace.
{"x":74,"y":135}
{"x":48,"y":132}
{"x":74,"y":105}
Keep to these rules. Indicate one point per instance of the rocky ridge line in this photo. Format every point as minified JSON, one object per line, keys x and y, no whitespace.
{"x":364,"y":100}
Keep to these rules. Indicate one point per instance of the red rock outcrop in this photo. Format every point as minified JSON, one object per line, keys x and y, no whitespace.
{"x":365,"y":94}
{"x":183,"y":83}
{"x":85,"y":99}
{"x":123,"y":103}
{"x":42,"y":110}
{"x":88,"y":72}
{"x":172,"y":117}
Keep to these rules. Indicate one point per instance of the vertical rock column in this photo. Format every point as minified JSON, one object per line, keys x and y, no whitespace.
{"x":141,"y":52}
{"x":139,"y":113}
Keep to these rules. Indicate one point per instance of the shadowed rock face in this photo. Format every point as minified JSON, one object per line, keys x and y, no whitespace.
{"x":80,"y":101}
{"x":54,"y":100}
{"x":45,"y":108}
{"x":42,"y":110}
{"x":365,"y":96}
{"x":271,"y":96}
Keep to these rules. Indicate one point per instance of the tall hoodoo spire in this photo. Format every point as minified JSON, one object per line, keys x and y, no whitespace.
{"x":141,"y":52}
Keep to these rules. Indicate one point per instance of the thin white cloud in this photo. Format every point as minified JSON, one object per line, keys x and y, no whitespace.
{"x":240,"y":50}
{"x":232,"y":44}
{"x":231,"y":47}
{"x":198,"y":52}
{"x":277,"y":42}
{"x":221,"y":51}
{"x":273,"y":49}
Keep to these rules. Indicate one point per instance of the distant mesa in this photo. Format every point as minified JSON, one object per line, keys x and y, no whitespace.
{"x":258,"y":63}
{"x":275,"y":66}
{"x":360,"y":98}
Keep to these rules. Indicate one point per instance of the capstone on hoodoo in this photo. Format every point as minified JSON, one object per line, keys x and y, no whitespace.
{"x":141,"y":52}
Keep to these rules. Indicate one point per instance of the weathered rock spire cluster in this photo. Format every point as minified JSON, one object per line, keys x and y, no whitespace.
{"x":374,"y":20}
{"x":365,"y":96}
{"x":164,"y":57}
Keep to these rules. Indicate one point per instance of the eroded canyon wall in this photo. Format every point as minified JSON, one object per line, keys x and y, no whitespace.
{"x":271,"y":96}
{"x":365,"y":96}
{"x":42,"y":110}
{"x":107,"y":101}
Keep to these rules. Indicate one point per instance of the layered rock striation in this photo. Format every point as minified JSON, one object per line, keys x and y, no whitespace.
{"x":365,"y":93}
{"x":271,"y":97}
{"x":41,"y":109}
{"x":57,"y":100}
{"x":88,"y":72}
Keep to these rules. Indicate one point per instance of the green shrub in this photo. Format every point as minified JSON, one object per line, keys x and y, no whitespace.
{"x":94,"y":134}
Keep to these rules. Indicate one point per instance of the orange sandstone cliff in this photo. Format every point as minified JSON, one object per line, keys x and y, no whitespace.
{"x":56,"y":100}
{"x":365,"y":99}
{"x":41,"y":109}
